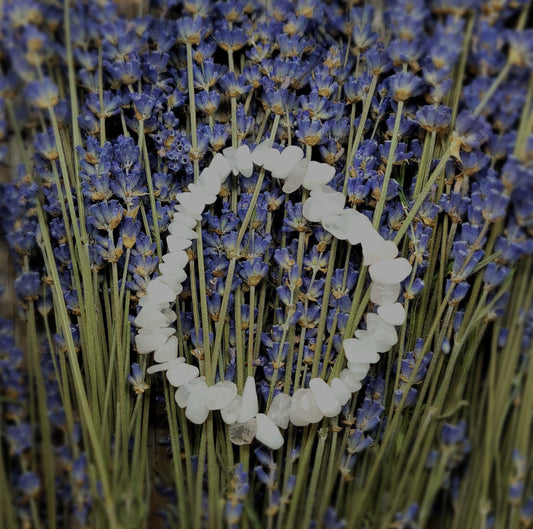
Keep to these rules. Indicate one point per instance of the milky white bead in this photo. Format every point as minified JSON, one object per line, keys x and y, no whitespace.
{"x":175,"y":243}
{"x":181,"y":374}
{"x":361,"y":226}
{"x":393,"y":314}
{"x":325,"y":397}
{"x":342,"y":225}
{"x":196,"y":410}
{"x":318,"y":174}
{"x":220,"y":165}
{"x":357,"y":350}
{"x":352,"y":383}
{"x":381,"y":329}
{"x":220,"y":395}
{"x":196,"y":215}
{"x":209,"y":181}
{"x":381,"y":294}
{"x":249,"y":403}
{"x":151,"y":318}
{"x":304,"y":408}
{"x":279,"y":410}
{"x":390,"y":271}
{"x":191,"y":201}
{"x":271,"y":160}
{"x":158,"y":289}
{"x":268,"y":433}
{"x":289,"y":158}
{"x":322,"y":202}
{"x":230,"y":412}
{"x":183,"y":220}
{"x":163,"y":367}
{"x":373,"y":340}
{"x":357,"y":370}
{"x":376,"y":249}
{"x":243,"y":159}
{"x":184,"y":392}
{"x":341,"y":391}
{"x":295,"y":177}
{"x":147,"y":300}
{"x":230,"y":153}
{"x":261,"y":152}
{"x":173,"y":272}
{"x":180,"y":258}
{"x":168,"y":351}
{"x":173,"y":281}
{"x":203,"y":194}
{"x":148,"y":341}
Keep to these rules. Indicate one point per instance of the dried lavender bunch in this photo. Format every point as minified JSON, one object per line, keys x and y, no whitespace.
{"x":424,"y":112}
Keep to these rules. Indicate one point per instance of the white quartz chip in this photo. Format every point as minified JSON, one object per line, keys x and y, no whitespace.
{"x":243,"y":159}
{"x":381,"y":294}
{"x":156,"y":368}
{"x":268,"y":433}
{"x":318,"y":174}
{"x":376,"y":248}
{"x":220,"y":166}
{"x":341,"y":391}
{"x":160,"y":290}
{"x":181,"y":374}
{"x":295,"y":177}
{"x":196,"y":410}
{"x":168,"y":351}
{"x":358,"y":350}
{"x":350,"y":380}
{"x":390,"y":271}
{"x":304,"y":408}
{"x":287,"y":161}
{"x":230,"y":412}
{"x":279,"y":410}
{"x":148,"y":340}
{"x":325,"y":397}
{"x":184,"y":392}
{"x":249,"y":403}
{"x":393,"y":314}
{"x":220,"y":395}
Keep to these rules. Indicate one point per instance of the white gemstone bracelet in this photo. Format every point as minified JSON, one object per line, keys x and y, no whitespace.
{"x":324,"y":205}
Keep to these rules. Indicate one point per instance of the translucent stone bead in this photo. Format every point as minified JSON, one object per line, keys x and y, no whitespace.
{"x":249,"y":403}
{"x":325,"y":398}
{"x":243,"y":433}
{"x":376,"y":248}
{"x":279,"y":410}
{"x":183,"y":220}
{"x":358,"y":371}
{"x":180,"y":208}
{"x":304,"y":408}
{"x":196,"y":410}
{"x":381,"y":294}
{"x":289,"y":158}
{"x":167,"y":351}
{"x":390,"y":271}
{"x":379,"y":345}
{"x":270,"y":161}
{"x":220,"y":165}
{"x":147,"y":341}
{"x":202,"y":193}
{"x":172,"y":272}
{"x":156,"y":368}
{"x":393,"y":314}
{"x":357,"y":350}
{"x":317,"y":175}
{"x":151,"y":318}
{"x":230,"y":412}
{"x":295,"y":177}
{"x":268,"y":433}
{"x":209,"y":181}
{"x":220,"y":395}
{"x":344,"y":225}
{"x":179,"y":259}
{"x":181,"y":374}
{"x":191,"y":202}
{"x":341,"y":391}
{"x":230,"y":153}
{"x":351,"y":382}
{"x":322,"y":203}
{"x":382,"y":330}
{"x":158,"y":289}
{"x":262,"y":152}
{"x":244,"y":161}
{"x":183,"y":393}
{"x":175,"y":243}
